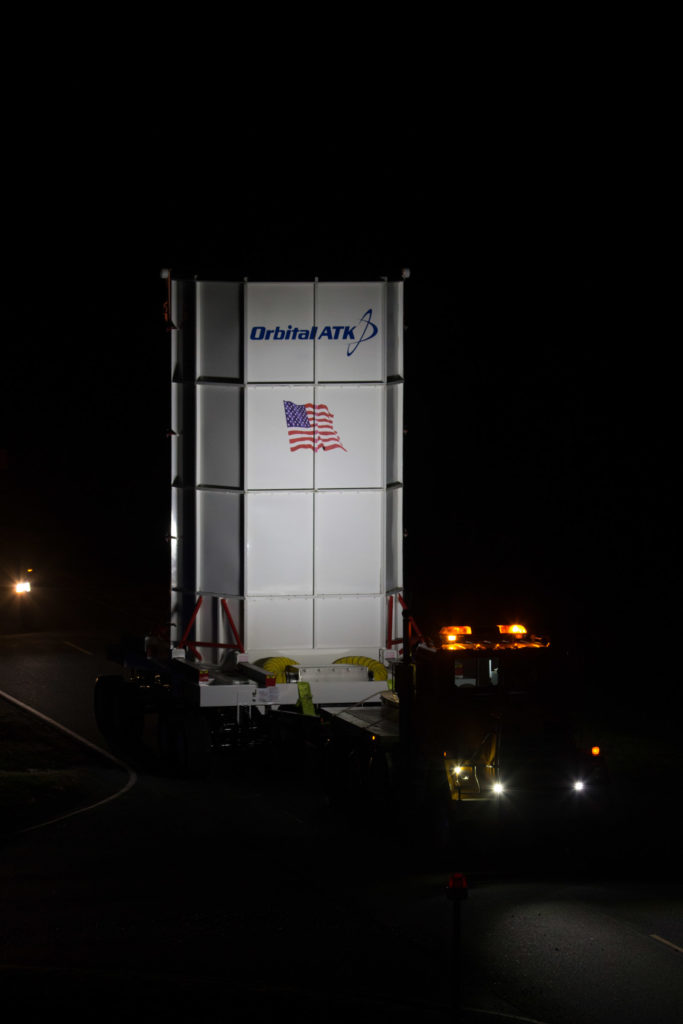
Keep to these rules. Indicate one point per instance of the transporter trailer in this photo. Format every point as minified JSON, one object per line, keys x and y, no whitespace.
{"x":288,"y":617}
{"x":286,"y":512}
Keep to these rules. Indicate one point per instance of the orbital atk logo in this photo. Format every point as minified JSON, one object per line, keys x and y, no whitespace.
{"x":354,"y":334}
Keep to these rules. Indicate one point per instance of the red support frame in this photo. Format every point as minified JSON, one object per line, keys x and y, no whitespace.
{"x":412,"y":624}
{"x":193,"y":645}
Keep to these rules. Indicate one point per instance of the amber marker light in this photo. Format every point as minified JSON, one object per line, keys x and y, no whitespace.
{"x":450,"y":635}
{"x":516,"y":629}
{"x":595,"y":751}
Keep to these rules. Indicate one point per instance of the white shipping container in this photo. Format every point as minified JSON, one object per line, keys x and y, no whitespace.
{"x":287,"y":466}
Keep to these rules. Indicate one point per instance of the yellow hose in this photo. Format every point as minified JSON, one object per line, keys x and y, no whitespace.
{"x":276,"y":666}
{"x":378,"y":670}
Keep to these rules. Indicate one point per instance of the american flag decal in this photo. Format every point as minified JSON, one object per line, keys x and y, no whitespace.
{"x":311,"y":427}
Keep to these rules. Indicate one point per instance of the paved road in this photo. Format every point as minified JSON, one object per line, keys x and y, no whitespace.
{"x":208,"y":899}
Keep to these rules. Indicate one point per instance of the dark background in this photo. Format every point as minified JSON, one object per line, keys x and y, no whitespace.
{"x":541,"y":415}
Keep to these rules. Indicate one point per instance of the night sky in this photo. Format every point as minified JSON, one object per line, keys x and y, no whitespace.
{"x":541,"y":417}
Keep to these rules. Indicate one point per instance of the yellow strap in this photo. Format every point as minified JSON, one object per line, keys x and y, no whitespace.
{"x":305,"y":698}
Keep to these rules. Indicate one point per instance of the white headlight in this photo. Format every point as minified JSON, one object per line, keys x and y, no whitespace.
{"x":578,"y":786}
{"x":498,"y":787}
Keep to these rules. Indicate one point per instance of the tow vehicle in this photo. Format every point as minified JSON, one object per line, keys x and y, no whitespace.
{"x":475,"y":719}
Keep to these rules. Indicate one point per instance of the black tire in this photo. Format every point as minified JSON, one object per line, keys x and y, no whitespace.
{"x":379,"y":781}
{"x":334,"y":774}
{"x":106,"y":705}
{"x":185,"y":742}
{"x":166,"y":734}
{"x":118,"y":709}
{"x":356,"y":768}
{"x":429,"y":820}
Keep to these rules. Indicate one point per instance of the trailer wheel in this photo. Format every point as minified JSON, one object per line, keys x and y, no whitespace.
{"x":118,"y":709}
{"x":165,"y":731}
{"x":439,"y":821}
{"x":334,"y":768}
{"x":185,"y":741}
{"x":356,"y":768}
{"x":379,"y":780}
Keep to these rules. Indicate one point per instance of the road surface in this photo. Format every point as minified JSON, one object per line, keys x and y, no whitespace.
{"x":244,"y":895}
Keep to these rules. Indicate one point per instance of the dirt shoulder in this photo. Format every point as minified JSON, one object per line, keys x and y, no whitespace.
{"x":45,"y":773}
